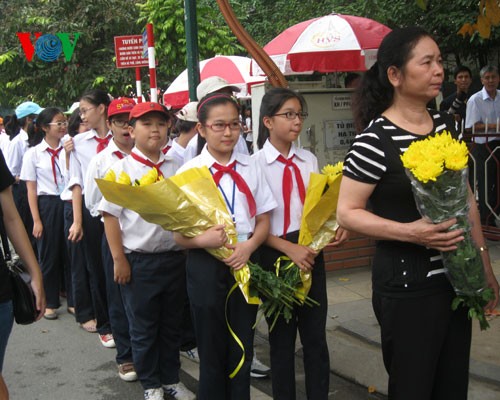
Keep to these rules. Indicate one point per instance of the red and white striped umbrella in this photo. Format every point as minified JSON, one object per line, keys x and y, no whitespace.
{"x":234,"y":69}
{"x":333,"y":43}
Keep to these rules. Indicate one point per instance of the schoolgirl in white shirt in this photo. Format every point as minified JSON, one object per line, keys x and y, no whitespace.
{"x":249,"y":200}
{"x":42,"y":171}
{"x":93,"y":111}
{"x":17,"y":127}
{"x":287,"y":167}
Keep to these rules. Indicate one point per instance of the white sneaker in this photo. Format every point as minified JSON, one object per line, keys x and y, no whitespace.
{"x":179,"y":391}
{"x":191,"y":355}
{"x":154,"y":394}
{"x":259,"y":370}
{"x":107,"y":340}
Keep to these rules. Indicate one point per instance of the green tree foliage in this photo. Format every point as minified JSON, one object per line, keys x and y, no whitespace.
{"x":92,"y":65}
{"x":167,"y":17}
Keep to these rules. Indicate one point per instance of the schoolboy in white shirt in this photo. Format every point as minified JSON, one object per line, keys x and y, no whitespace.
{"x":148,"y":264}
{"x":118,"y":148}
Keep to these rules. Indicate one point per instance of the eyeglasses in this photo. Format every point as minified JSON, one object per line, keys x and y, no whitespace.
{"x":59,"y":124}
{"x":119,"y":123}
{"x":84,"y":111}
{"x":221,"y":126}
{"x":291,"y":115}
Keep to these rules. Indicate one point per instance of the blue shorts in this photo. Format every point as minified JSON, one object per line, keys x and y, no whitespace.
{"x":6,"y":321}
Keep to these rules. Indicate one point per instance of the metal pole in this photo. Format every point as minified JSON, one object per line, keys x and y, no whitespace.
{"x":152,"y":63}
{"x":138,"y":85}
{"x":191,"y":27}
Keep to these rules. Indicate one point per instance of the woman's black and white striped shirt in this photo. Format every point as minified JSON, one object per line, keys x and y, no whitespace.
{"x":366,"y":160}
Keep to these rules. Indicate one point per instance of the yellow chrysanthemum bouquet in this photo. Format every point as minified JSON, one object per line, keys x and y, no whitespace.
{"x":318,"y":227}
{"x":437,"y":168}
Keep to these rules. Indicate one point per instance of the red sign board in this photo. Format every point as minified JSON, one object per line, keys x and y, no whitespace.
{"x":128,"y":51}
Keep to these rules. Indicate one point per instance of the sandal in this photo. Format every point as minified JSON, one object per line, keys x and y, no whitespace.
{"x":50,"y":314}
{"x":89,"y":326}
{"x":71,"y":310}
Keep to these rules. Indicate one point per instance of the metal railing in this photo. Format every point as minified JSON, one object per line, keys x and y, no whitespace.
{"x":484,"y":175}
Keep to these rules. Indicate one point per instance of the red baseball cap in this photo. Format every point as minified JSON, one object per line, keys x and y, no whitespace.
{"x":144,"y":108}
{"x":121,"y":105}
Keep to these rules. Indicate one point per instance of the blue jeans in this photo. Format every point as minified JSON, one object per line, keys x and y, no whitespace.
{"x":6,"y":321}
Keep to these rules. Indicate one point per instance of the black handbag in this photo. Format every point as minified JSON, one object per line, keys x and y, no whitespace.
{"x":23,"y":298}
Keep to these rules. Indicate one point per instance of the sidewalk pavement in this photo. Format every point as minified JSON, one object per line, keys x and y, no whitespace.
{"x":354,"y":335}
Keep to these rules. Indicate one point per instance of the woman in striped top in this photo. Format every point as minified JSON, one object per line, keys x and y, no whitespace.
{"x":425,"y":344}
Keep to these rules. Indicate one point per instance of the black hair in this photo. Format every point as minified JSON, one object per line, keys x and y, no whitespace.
{"x":35,"y":128}
{"x":13,"y":125}
{"x":96,"y":97}
{"x":214,"y":99}
{"x":271,"y":103}
{"x":375,"y":93}
{"x":350,"y":77}
{"x":461,"y":68}
{"x":182,"y":126}
{"x":74,"y":122}
{"x":204,"y":106}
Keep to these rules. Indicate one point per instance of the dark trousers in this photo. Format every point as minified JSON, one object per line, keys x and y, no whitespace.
{"x":82,"y":296}
{"x":311,"y":325}
{"x":20,"y":195}
{"x":188,"y":337}
{"x":486,"y":170}
{"x":154,"y":299}
{"x":93,"y":230}
{"x":117,"y":315}
{"x":52,"y":252}
{"x":209,"y":282}
{"x":425,"y":346}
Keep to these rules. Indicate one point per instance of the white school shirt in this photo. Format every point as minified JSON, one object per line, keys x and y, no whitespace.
{"x":79,"y":158}
{"x":273,"y":171}
{"x":176,"y":151}
{"x":254,"y":178}
{"x":137,"y":234}
{"x":15,"y":152}
{"x":37,"y":167}
{"x":192,"y":147}
{"x":97,"y":168}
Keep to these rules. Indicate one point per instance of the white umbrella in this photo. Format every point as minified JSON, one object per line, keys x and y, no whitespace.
{"x":234,"y":69}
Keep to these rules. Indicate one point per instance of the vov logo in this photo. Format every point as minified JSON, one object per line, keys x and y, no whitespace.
{"x":48,"y":47}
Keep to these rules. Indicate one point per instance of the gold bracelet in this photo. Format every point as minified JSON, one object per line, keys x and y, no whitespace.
{"x":483,"y":248}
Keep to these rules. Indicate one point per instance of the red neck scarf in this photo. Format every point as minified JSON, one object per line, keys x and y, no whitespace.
{"x":238,"y":180}
{"x":148,"y":163}
{"x":119,"y":154}
{"x":53,"y":155}
{"x":288,"y":186}
{"x":166,"y":149}
{"x":102,"y":143}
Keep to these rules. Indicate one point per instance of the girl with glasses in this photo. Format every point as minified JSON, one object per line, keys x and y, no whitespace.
{"x":42,"y":171}
{"x":288,"y":167}
{"x":249,"y":200}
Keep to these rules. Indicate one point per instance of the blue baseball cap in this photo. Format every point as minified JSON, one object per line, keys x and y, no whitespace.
{"x":27,"y":108}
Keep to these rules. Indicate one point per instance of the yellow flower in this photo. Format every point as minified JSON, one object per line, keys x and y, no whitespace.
{"x":124,"y":179}
{"x":427,"y":171}
{"x":456,"y":156}
{"x":148,"y":178}
{"x":333,"y":172}
{"x":110,"y":176}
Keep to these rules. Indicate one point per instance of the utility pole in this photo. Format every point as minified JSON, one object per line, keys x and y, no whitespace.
{"x":193,"y":68}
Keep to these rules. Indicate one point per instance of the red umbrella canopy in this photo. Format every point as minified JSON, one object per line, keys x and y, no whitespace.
{"x":234,"y":69}
{"x":333,"y":43}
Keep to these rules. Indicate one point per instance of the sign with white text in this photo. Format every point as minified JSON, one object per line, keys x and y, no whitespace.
{"x":128,"y":51}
